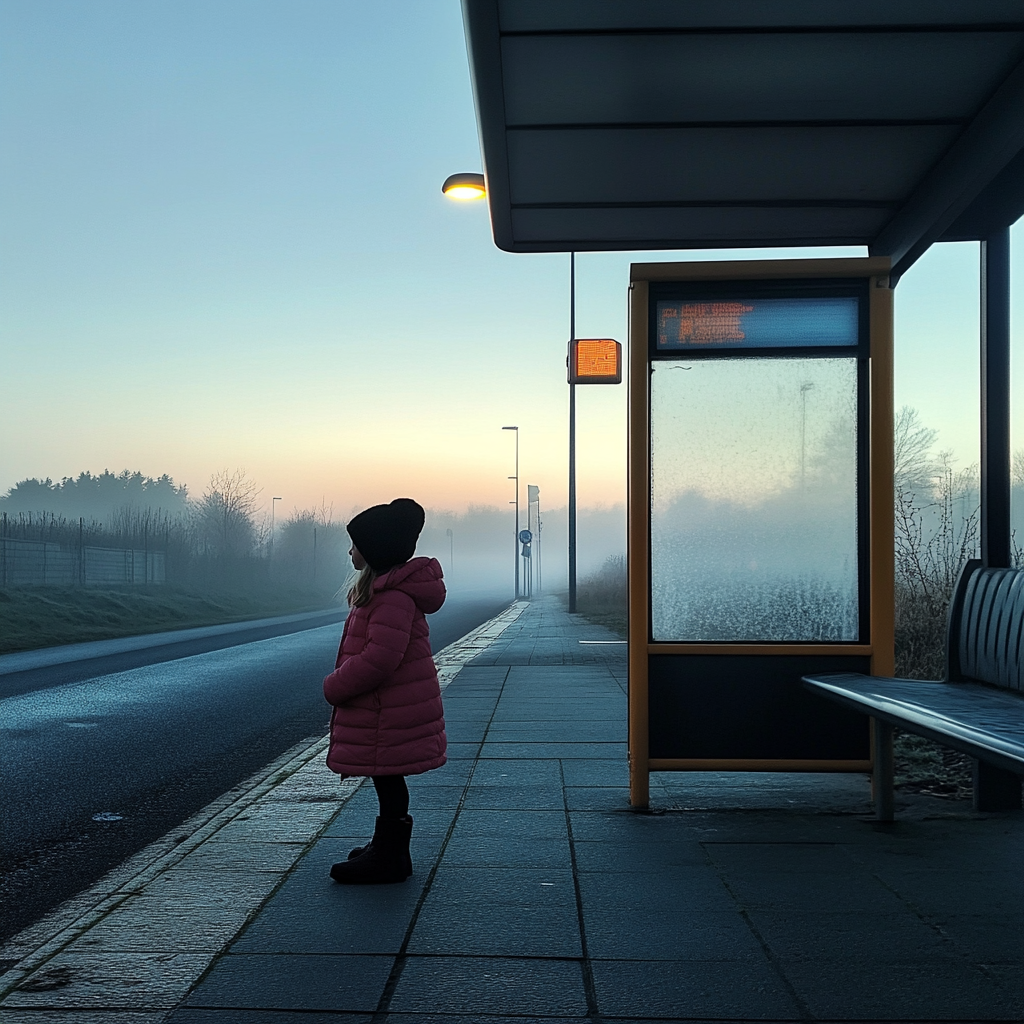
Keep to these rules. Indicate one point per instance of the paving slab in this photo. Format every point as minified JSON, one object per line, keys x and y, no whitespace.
{"x":694,"y":990}
{"x":539,"y":894}
{"x":498,"y":985}
{"x":288,"y":981}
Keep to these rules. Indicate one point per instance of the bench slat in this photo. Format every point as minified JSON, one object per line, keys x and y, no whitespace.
{"x":989,"y":640}
{"x":979,"y":721}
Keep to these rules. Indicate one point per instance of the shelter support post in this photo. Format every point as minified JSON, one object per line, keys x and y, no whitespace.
{"x":638,"y":569}
{"x":994,"y":788}
{"x":884,"y":777}
{"x":995,"y":400}
{"x":882,"y":545}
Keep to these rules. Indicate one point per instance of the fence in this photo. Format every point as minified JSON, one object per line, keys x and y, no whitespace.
{"x":42,"y":563}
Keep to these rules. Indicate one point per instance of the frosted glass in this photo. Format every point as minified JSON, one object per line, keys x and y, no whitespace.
{"x":754,"y":500}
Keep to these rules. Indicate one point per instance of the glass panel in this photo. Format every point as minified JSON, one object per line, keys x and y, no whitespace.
{"x":754,"y":500}
{"x":757,"y":323}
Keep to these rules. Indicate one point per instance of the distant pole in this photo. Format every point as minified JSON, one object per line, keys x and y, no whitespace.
{"x":314,"y":554}
{"x":451,"y":550}
{"x":572,"y":441}
{"x":517,"y":515}
{"x":515,"y":539}
{"x":528,"y":565}
{"x":540,"y":564}
{"x":273,"y":507}
{"x":804,"y":388}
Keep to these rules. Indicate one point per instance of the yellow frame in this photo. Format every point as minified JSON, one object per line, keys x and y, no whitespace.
{"x":881,"y":556}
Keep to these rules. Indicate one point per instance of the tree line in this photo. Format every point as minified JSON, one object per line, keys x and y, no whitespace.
{"x":220,"y":538}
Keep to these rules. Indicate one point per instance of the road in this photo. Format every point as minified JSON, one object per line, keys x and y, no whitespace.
{"x":151,"y":744}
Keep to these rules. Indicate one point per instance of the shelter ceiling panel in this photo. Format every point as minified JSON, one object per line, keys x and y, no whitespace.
{"x":834,"y":111}
{"x":694,"y":227}
{"x":547,"y":15}
{"x":666,"y":78}
{"x":720,"y":164}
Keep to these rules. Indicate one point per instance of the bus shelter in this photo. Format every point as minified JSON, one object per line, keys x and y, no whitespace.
{"x":760,"y":511}
{"x":727,"y":124}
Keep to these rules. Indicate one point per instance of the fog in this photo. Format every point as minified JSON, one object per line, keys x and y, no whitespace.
{"x":482,"y":541}
{"x":224,"y":538}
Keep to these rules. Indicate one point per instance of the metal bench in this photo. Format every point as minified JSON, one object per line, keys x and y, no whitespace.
{"x":977,"y":709}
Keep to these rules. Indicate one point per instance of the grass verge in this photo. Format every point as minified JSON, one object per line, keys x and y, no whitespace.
{"x":601,"y":597}
{"x":34,"y":617}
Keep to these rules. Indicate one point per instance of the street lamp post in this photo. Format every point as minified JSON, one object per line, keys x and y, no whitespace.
{"x":804,"y":388}
{"x":515,"y":539}
{"x":572,"y":441}
{"x":273,"y":509}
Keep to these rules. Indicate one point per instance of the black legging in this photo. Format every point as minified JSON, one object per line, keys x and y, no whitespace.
{"x":392,"y":795}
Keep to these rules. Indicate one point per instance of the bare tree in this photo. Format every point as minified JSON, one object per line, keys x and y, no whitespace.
{"x":937,"y":513}
{"x":912,"y":451}
{"x":1017,"y":468}
{"x":227,"y":513}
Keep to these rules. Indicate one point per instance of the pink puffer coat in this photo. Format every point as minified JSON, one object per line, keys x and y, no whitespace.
{"x":387,"y":716}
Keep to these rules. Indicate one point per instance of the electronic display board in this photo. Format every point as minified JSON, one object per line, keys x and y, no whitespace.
{"x":595,"y":361}
{"x":756,"y":322}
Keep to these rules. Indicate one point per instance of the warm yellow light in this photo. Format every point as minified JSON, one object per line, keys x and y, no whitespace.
{"x":595,"y":361}
{"x":464,"y":186}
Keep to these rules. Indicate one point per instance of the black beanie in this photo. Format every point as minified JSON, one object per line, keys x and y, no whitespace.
{"x":386,"y":535}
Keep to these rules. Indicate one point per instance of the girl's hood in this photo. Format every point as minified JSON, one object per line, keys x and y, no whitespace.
{"x":420,"y":578}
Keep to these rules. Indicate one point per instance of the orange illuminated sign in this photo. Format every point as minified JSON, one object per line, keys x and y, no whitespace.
{"x":595,"y":361}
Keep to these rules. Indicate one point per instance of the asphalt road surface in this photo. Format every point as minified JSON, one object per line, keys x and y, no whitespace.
{"x":151,"y":743}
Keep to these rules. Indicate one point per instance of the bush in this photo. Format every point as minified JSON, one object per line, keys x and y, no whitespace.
{"x":602,"y":597}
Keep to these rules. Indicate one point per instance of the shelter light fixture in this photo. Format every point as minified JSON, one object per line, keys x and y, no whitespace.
{"x":464,"y":186}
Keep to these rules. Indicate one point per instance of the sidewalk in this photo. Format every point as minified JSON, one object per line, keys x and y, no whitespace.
{"x":539,"y":895}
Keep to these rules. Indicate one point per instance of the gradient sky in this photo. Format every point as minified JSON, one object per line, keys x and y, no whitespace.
{"x":224,"y":245}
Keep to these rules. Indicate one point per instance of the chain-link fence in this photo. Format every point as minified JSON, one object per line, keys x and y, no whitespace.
{"x":44,"y":563}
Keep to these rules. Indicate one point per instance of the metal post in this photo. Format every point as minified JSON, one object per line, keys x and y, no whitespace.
{"x":273,"y":525}
{"x":572,"y":441}
{"x":540,"y":563}
{"x":517,"y":515}
{"x":884,"y":774}
{"x":995,"y":400}
{"x":515,"y":539}
{"x":995,"y":788}
{"x":804,"y":388}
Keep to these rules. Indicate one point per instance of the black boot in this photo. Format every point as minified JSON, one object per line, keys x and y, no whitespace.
{"x":360,"y":850}
{"x":386,"y":858}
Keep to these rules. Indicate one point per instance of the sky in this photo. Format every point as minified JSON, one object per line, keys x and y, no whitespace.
{"x":224,"y":246}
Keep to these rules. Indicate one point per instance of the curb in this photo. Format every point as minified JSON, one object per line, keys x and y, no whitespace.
{"x":138,"y":939}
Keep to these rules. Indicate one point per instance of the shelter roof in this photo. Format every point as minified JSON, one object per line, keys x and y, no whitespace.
{"x":658,"y":124}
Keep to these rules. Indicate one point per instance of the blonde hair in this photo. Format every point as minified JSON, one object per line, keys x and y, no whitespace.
{"x":361,"y":591}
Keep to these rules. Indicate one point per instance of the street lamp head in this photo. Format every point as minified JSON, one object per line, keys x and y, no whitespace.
{"x":464,"y":186}
{"x":509,"y":428}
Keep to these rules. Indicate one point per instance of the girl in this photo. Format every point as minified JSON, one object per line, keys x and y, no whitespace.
{"x":387,"y":720}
